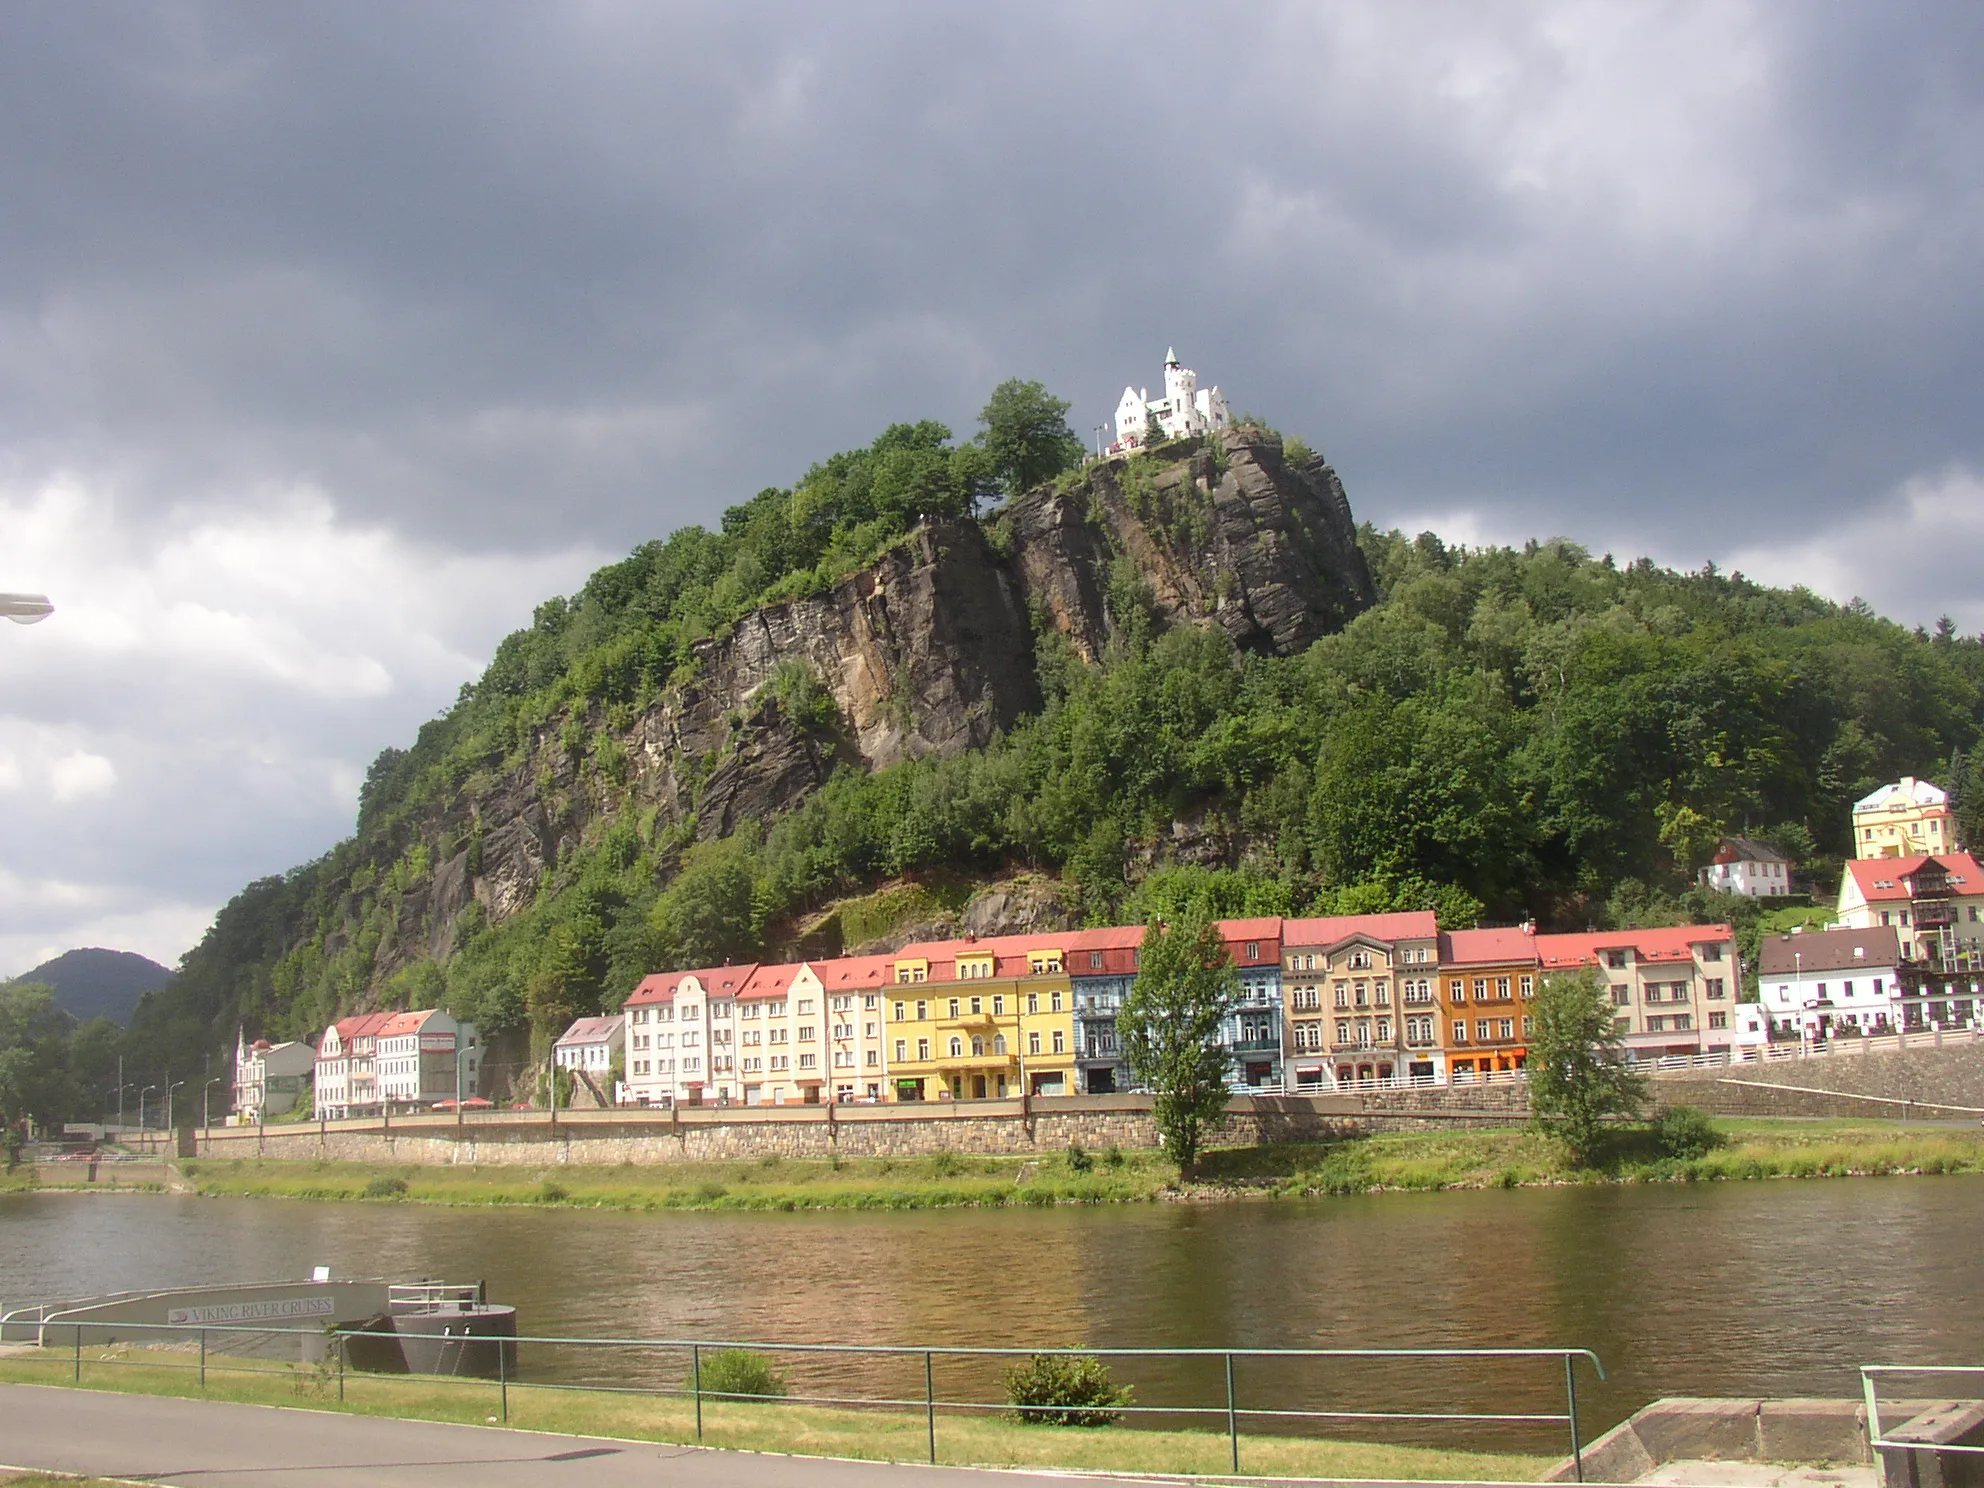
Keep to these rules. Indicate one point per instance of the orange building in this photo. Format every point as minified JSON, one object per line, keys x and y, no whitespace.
{"x":1487,"y":1000}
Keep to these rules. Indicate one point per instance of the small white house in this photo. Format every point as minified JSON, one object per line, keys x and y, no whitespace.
{"x":1823,"y":982}
{"x":1743,"y":865}
{"x":269,"y":1079}
{"x":418,"y":1057}
{"x":591,"y":1044}
{"x":1186,"y":408}
{"x":1749,"y":1026}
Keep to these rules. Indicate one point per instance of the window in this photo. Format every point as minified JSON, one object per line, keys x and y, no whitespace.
{"x":998,"y":1006}
{"x":1033,"y":1002}
{"x":902,"y":1049}
{"x":1359,"y":960}
{"x":1384,"y":1030}
{"x":1712,"y":953}
{"x":1382,"y":991}
{"x":957,"y":1047}
{"x":1718,"y":1020}
{"x":1528,"y":1026}
{"x":1653,"y":992}
{"x":1060,"y":1042}
{"x":1460,"y":1030}
{"x":872,"y":1002}
{"x":923,"y":1048}
{"x":1253,"y":950}
{"x":1054,"y":1001}
{"x":1481,"y":989}
{"x":977,"y":1006}
{"x":978,"y":1046}
{"x":1033,"y":1043}
{"x":1622,"y":995}
{"x":1712,"y":989}
{"x":807,"y":1033}
{"x":809,"y":1061}
{"x":1481,"y":1029}
{"x":1506,"y":1028}
{"x":1615,"y":958}
{"x":874,"y":1058}
{"x":954,"y":1007}
{"x":998,"y":1043}
{"x":1343,"y":994}
{"x":1095,"y":960}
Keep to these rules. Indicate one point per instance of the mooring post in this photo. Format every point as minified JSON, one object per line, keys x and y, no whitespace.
{"x":696,"y":1384}
{"x":1571,"y":1402}
{"x":1232,"y":1415}
{"x":930,"y":1402}
{"x":79,"y":1353}
{"x":340,"y":1338}
{"x":503,"y":1379}
{"x":203,"y":1358}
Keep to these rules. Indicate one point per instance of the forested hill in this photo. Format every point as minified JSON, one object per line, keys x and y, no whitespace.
{"x":1181,"y":674}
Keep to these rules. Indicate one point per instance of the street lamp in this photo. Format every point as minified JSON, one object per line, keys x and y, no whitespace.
{"x":168,"y":1102}
{"x":26,"y":609}
{"x":141,"y":1105}
{"x":206,"y":1094}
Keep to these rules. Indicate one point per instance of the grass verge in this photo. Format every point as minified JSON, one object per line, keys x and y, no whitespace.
{"x":768,"y":1426}
{"x":1504,"y":1157}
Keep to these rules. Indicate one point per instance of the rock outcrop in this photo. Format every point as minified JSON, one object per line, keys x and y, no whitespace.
{"x":929,"y":651}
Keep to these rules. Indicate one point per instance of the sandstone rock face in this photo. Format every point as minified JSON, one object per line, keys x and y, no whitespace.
{"x":927,"y":652}
{"x":1235,"y":536}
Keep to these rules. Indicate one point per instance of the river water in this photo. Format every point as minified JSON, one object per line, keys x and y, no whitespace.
{"x":1778,"y":1288}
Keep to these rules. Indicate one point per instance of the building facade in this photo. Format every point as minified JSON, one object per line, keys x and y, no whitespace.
{"x":1908,"y":819}
{"x":416,"y":1056}
{"x":269,"y":1079}
{"x":1352,"y":985}
{"x":1487,"y":1000}
{"x":1934,"y":904}
{"x":981,"y":1020}
{"x":1672,"y":989}
{"x":682,"y":1036}
{"x":346,"y":1079}
{"x":589,"y":1048}
{"x":1745,"y":866}
{"x":1820,"y":982}
{"x":1185,"y":408}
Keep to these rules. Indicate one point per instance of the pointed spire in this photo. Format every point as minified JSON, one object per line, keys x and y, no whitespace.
{"x":1171,"y":356}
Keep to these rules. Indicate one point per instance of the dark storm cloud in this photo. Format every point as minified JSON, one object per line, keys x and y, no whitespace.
{"x":517,"y":265}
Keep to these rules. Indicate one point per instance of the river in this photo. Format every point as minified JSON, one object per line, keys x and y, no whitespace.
{"x":1777,"y":1288}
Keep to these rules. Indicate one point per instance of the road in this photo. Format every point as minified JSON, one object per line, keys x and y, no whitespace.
{"x":214,"y":1442}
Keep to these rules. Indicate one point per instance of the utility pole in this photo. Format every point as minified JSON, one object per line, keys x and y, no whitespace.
{"x":120,"y":1097}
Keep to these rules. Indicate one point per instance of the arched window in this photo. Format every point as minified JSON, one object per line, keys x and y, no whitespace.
{"x":977,"y":1047}
{"x":957,"y":1048}
{"x":999,"y":1043}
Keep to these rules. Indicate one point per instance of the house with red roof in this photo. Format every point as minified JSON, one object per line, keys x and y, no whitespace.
{"x":1672,"y":989}
{"x":1486,"y":997}
{"x":681,"y":1032}
{"x":1934,"y":904}
{"x":346,"y":1081}
{"x":1359,"y":995}
{"x":426,"y":1056}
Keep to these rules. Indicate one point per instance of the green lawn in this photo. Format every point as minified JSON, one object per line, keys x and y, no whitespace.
{"x":769,"y":1426}
{"x":1502,"y":1157}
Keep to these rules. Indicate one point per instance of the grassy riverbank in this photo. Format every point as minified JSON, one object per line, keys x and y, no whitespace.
{"x":985,"y":1440}
{"x":1509,"y":1157}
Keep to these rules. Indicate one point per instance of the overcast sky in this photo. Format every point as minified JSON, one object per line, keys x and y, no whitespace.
{"x":334,"y":338}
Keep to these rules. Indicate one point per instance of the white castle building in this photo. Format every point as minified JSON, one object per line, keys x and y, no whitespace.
{"x":1185,"y":408}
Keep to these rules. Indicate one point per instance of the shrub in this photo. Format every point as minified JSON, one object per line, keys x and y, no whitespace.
{"x":743,"y":1372}
{"x":1064,"y":1390}
{"x":1685,"y":1132}
{"x":1113,"y":1157}
{"x":709,"y":1193}
{"x":391,"y":1186}
{"x":945,"y":1164}
{"x":552,"y":1193}
{"x":1078,"y":1159}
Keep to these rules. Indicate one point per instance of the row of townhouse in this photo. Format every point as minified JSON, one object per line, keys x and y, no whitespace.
{"x":394,"y":1061}
{"x":1321,"y":1003}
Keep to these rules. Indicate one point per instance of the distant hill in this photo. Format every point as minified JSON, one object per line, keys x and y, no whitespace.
{"x":95,"y":983}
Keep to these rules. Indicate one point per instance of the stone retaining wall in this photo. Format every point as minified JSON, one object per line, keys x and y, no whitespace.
{"x":1936,"y":1083}
{"x":734,"y":1133}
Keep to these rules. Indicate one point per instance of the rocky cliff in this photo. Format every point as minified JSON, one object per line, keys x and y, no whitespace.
{"x":929,"y":651}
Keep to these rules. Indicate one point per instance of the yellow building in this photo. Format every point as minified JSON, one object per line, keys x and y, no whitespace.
{"x":1909,"y":819}
{"x":980,"y":1020}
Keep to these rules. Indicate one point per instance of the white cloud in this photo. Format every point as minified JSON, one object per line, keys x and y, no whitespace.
{"x":202,"y":705}
{"x":1911,"y":555}
{"x":79,"y":776}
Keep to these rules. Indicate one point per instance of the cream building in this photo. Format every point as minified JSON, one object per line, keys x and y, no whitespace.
{"x":1358,"y":995}
{"x":1909,"y":819}
{"x":1673,"y":990}
{"x":1934,"y":904}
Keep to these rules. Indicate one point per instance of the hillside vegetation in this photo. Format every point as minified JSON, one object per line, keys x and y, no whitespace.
{"x":1503,"y":733}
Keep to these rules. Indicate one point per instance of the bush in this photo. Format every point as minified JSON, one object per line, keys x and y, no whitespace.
{"x":389,"y":1187}
{"x":1113,"y":1157}
{"x":549,"y":1192}
{"x":1064,"y":1390}
{"x":1685,"y":1132}
{"x":738,"y":1372}
{"x":1078,"y":1159}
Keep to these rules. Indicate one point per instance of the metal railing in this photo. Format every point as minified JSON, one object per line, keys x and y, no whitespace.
{"x":1878,"y":1439}
{"x":335,"y":1369}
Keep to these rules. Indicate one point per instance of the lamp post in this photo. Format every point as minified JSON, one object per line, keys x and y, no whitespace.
{"x":142,"y":1094}
{"x":26,"y":609}
{"x":206,"y":1094}
{"x":176,"y":1084}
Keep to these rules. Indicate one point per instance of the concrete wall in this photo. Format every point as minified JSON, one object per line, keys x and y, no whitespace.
{"x":1935,"y":1083}
{"x":1097,"y":1122}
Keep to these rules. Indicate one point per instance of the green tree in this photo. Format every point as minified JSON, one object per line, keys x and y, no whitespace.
{"x":1578,"y":1075}
{"x":35,"y":1084}
{"x":1026,"y":436}
{"x":1170,"y":1025}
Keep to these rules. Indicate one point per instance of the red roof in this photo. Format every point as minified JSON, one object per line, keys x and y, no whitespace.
{"x":718,"y":981}
{"x":1675,"y":943}
{"x":770,"y":981}
{"x":1881,"y":878}
{"x":1416,"y":924}
{"x":1509,"y":947}
{"x":361,"y":1025}
{"x":406,"y":1022}
{"x":854,"y":973}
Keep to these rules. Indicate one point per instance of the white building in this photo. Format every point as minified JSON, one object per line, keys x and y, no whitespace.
{"x":591,"y":1044}
{"x":1749,"y":1026}
{"x":416,"y":1055}
{"x":269,"y":1079}
{"x":347,"y":1075}
{"x":1186,"y":408}
{"x":1745,"y":866}
{"x":758,"y":1035}
{"x":1935,"y":904}
{"x":1821,"y":982}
